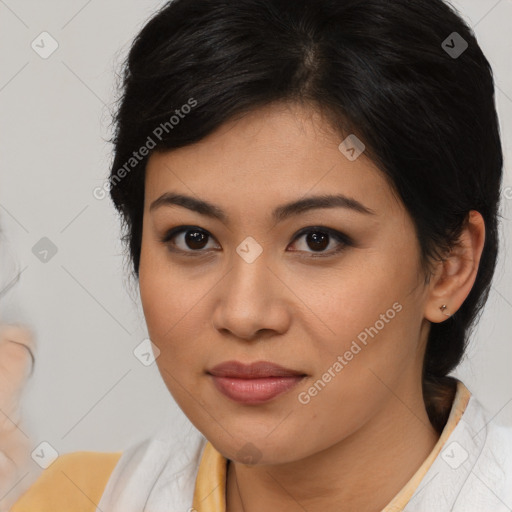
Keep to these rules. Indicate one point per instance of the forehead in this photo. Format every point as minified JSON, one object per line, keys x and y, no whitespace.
{"x":267,"y":156}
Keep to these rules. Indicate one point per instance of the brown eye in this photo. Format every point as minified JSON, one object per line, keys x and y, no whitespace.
{"x":195,"y":239}
{"x":187,"y":239}
{"x":318,"y":239}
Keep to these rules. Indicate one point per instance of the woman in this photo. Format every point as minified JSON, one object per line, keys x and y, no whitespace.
{"x":310,"y":194}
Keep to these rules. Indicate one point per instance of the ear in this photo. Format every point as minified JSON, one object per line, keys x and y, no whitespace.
{"x":456,"y":274}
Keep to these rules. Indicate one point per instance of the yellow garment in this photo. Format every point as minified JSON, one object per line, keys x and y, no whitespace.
{"x":74,"y":482}
{"x":210,"y":488}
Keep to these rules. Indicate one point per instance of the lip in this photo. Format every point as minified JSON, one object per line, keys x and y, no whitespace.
{"x":256,"y":370}
{"x":254,"y":383}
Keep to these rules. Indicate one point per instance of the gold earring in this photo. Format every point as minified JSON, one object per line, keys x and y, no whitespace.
{"x":442,"y":308}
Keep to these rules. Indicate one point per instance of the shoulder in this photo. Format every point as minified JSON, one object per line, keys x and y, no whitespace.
{"x":473,"y":471}
{"x":489,"y":443}
{"x":157,"y":473}
{"x":74,"y":481}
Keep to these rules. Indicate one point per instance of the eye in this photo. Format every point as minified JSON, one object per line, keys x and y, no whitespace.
{"x":192,"y":240}
{"x":319,"y":238}
{"x":187,"y":240}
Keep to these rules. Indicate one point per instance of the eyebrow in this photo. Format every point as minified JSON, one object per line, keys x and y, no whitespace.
{"x":280,"y":213}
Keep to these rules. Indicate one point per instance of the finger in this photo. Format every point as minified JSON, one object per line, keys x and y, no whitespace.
{"x":22,"y":336}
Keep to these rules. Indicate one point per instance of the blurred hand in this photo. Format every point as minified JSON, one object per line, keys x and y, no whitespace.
{"x":17,"y":348}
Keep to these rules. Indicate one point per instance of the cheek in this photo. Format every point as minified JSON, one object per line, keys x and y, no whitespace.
{"x":367,"y":312}
{"x":162,"y":307}
{"x":173,"y":310}
{"x":159,"y":294}
{"x":174,"y":326}
{"x":347,"y":300}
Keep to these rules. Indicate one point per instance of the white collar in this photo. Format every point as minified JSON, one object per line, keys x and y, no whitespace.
{"x":159,"y":473}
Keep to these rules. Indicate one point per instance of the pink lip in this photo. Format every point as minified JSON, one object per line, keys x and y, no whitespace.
{"x":254,"y":383}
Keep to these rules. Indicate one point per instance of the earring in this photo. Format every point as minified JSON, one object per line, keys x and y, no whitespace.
{"x":442,"y":308}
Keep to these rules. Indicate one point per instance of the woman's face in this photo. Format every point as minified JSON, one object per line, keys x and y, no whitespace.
{"x":252,"y":278}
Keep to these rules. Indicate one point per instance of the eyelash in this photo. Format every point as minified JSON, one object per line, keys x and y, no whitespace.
{"x":341,"y":238}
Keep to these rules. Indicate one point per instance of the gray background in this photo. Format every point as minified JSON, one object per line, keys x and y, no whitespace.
{"x":89,"y":391}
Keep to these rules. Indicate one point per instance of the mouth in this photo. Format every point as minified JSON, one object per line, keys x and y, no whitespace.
{"x":255,"y":383}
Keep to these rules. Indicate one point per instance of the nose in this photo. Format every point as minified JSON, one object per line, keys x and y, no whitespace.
{"x":251,"y":302}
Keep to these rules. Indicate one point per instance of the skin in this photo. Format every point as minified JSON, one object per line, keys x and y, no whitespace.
{"x":369,"y":423}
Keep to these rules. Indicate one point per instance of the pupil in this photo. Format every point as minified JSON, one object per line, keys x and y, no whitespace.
{"x":195,"y":239}
{"x":318,"y":240}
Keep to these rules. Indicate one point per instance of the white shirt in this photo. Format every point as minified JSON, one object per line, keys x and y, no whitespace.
{"x":469,"y":470}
